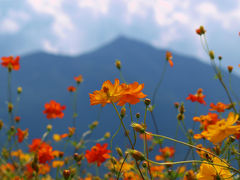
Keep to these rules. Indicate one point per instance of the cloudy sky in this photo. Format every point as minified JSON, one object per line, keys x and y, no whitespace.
{"x":77,"y":26}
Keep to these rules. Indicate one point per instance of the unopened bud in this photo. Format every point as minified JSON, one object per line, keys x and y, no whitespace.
{"x":19,"y":90}
{"x":138,"y":115}
{"x":137,"y":155}
{"x":138,"y":128}
{"x":107,"y":135}
{"x":176,"y":105}
{"x":147,"y":101}
{"x":144,"y":164}
{"x":211,"y":55}
{"x":17,"y":119}
{"x":123,"y":112}
{"x":118,"y":64}
{"x":232,"y":138}
{"x":49,"y":127}
{"x":219,"y":58}
{"x":200,"y":31}
{"x":190,"y":131}
{"x":230,"y":68}
{"x":119,"y":151}
{"x":182,"y":109}
{"x":10,"y":107}
{"x":180,"y":117}
{"x":66,"y":174}
{"x":93,"y":125}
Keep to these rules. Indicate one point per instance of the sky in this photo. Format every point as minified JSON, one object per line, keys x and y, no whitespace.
{"x":73,"y":27}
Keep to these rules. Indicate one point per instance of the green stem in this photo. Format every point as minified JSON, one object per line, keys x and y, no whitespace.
{"x":134,"y":133}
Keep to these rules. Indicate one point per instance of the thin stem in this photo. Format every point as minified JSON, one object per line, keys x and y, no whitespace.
{"x":186,"y":144}
{"x":134,"y":133}
{"x":125,"y":158}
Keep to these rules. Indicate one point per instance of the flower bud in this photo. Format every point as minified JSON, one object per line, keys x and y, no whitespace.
{"x":107,"y":135}
{"x":176,"y":105}
{"x":230,"y":68}
{"x":190,"y":131}
{"x":211,"y":55}
{"x":118,"y":64}
{"x":138,"y":128}
{"x":93,"y":125}
{"x":49,"y":127}
{"x":17,"y":119}
{"x":119,"y":151}
{"x":19,"y":90}
{"x":182,"y":109}
{"x":180,"y":117}
{"x":66,"y":174}
{"x":144,"y":164}
{"x":147,"y":101}
{"x":200,"y":31}
{"x":138,"y":115}
{"x":10,"y":107}
{"x":137,"y":155}
{"x":219,"y":58}
{"x":123,"y":112}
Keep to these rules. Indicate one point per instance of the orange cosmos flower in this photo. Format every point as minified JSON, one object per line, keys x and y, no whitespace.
{"x":56,"y":164}
{"x":59,"y":137}
{"x":54,"y":110}
{"x":218,"y":132}
{"x":131,"y":94}
{"x":165,"y":153}
{"x":44,"y":151}
{"x":219,"y":107}
{"x":21,"y":134}
{"x":78,"y":79}
{"x":98,"y":154}
{"x":109,"y":93}
{"x":212,"y":172}
{"x":169,"y":58}
{"x":199,"y":97}
{"x":11,"y":63}
{"x":117,"y":93}
{"x":206,"y":120}
{"x":71,"y":89}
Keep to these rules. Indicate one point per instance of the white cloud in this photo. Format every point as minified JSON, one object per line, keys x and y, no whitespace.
{"x":49,"y":47}
{"x":62,"y":22}
{"x":97,"y":6}
{"x":9,"y":26}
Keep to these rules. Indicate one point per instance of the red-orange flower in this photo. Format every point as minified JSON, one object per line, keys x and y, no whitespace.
{"x":11,"y":62}
{"x":169,"y":58}
{"x":219,"y":107}
{"x":199,"y":97}
{"x":131,"y":94}
{"x":71,"y":89}
{"x":78,"y":79}
{"x":98,"y":154}
{"x":21,"y":134}
{"x":54,"y":110}
{"x":165,"y":153}
{"x":43,"y":150}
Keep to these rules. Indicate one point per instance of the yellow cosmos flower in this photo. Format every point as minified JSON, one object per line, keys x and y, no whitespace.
{"x":56,"y":164}
{"x":213,"y":172}
{"x":218,"y":132}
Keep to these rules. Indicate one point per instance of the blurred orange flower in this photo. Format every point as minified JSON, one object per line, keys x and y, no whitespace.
{"x":21,"y":134}
{"x":199,"y":97}
{"x":218,"y":132}
{"x":54,"y":110}
{"x":206,"y":120}
{"x":148,"y":137}
{"x":219,"y":107}
{"x":43,"y":150}
{"x":169,"y":58}
{"x":78,"y":79}
{"x":98,"y":154}
{"x":11,"y":62}
{"x":71,"y":89}
{"x":165,"y":153}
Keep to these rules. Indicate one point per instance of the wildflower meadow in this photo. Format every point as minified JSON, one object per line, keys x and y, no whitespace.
{"x":212,"y":142}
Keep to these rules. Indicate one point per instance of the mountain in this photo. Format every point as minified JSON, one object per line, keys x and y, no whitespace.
{"x":46,"y":76}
